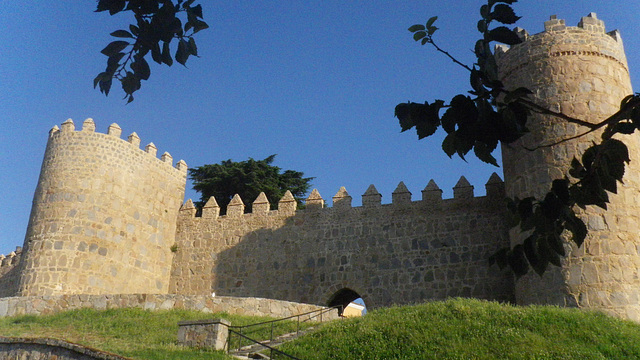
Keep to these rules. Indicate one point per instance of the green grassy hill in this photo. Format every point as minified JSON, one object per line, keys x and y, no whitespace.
{"x":453,"y":329}
{"x":473,"y":329}
{"x":135,"y":333}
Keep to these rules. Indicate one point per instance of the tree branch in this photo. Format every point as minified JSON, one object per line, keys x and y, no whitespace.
{"x":542,"y":110}
{"x":622,"y":114}
{"x":430,"y":41}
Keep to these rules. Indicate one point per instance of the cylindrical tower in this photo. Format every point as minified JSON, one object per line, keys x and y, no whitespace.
{"x":582,"y":72}
{"x":103,"y":217}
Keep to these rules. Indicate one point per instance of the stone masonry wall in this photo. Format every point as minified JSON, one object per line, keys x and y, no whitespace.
{"x":582,"y":72}
{"x":103,"y":216}
{"x":50,"y":349}
{"x":9,"y":272}
{"x":399,"y":253}
{"x":43,"y":305}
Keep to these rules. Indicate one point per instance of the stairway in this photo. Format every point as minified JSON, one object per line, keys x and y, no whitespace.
{"x":252,"y":351}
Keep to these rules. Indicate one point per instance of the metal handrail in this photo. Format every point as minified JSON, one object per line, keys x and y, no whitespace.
{"x":272,"y":349}
{"x":240,"y":330}
{"x":320,"y":311}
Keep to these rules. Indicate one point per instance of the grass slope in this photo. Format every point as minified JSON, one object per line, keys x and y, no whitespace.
{"x":135,"y":333}
{"x":472,"y":329}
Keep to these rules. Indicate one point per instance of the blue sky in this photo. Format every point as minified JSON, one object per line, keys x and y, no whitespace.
{"x":314,"y":82}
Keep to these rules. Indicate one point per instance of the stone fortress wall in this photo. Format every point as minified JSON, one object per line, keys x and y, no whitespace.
{"x":9,"y":272}
{"x":402,"y":252}
{"x":582,"y":72}
{"x":106,"y":217}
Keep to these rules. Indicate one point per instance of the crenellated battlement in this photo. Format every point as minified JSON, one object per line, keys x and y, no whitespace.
{"x":114,"y":130}
{"x":588,"y":41}
{"x":589,"y":23}
{"x":401,"y":197}
{"x":9,"y":272}
{"x":10,"y":260}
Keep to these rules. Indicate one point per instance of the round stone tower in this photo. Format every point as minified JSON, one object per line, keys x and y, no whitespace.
{"x":103,"y":217}
{"x":582,"y":72}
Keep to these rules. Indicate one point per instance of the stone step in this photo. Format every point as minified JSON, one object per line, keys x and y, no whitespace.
{"x":250,"y":351}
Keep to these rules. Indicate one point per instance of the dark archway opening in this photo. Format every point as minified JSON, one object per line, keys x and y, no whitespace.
{"x":343,"y":298}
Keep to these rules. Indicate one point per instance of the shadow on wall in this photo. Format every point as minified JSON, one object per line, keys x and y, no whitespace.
{"x":10,"y":270}
{"x":386,"y":254}
{"x":9,"y":282}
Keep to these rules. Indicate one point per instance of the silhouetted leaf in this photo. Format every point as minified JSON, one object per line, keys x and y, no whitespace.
{"x":449,"y":144}
{"x":560,"y":187}
{"x":475,"y":79}
{"x":504,"y":35}
{"x":403,"y":115}
{"x":199,"y":25}
{"x":551,"y":207}
{"x":102,"y":76}
{"x":416,"y":27}
{"x":607,"y":182}
{"x":193,"y":49}
{"x":122,"y":34}
{"x":130,"y":83}
{"x":419,"y":35}
{"x":113,"y":6}
{"x":615,"y":155}
{"x":577,"y":170}
{"x":483,"y":152}
{"x":197,"y":10}
{"x":134,"y":30}
{"x":537,"y":262}
{"x":431,"y":21}
{"x":105,"y":86}
{"x":156,"y":54}
{"x":484,"y":11}
{"x":518,"y":261}
{"x":626,"y":128}
{"x":482,"y":26}
{"x":182,"y":54}
{"x":480,"y":49}
{"x":166,"y":54}
{"x":113,"y":62}
{"x":500,"y":258}
{"x":525,"y":208}
{"x":556,"y":244}
{"x":187,"y":4}
{"x":114,"y":47}
{"x":504,"y":14}
{"x":141,"y":68}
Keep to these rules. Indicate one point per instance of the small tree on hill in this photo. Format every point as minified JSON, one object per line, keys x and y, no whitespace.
{"x":247,"y":178}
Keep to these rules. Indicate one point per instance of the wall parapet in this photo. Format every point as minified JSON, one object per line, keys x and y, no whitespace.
{"x":42,"y":305}
{"x":401,"y":197}
{"x":601,"y":44}
{"x":45,"y":348}
{"x":88,"y":126}
{"x":9,"y":272}
{"x":10,"y":260}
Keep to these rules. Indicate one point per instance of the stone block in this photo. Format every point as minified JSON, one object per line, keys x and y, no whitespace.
{"x":209,"y":334}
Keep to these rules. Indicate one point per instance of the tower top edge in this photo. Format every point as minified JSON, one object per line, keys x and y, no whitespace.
{"x":589,"y":23}
{"x":68,"y":128}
